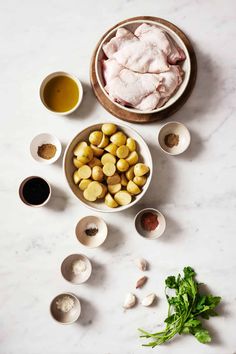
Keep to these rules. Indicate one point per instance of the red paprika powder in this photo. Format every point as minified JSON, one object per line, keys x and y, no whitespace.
{"x":149,"y":221}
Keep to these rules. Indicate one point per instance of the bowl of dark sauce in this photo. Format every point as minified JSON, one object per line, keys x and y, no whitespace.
{"x":35,"y":191}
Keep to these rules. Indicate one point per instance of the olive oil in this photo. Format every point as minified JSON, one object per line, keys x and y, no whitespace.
{"x":61,"y":94}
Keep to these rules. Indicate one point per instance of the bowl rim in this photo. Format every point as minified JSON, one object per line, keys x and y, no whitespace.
{"x":130,"y":109}
{"x":121,"y":207}
{"x":187,"y":131}
{"x":50,"y":76}
{"x":58,"y":152}
{"x":157,"y":212}
{"x":101,"y":220}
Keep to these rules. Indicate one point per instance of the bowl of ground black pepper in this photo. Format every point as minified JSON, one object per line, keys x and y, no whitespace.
{"x":45,"y":148}
{"x":34,"y":191}
{"x":91,"y":231}
{"x":174,"y":138}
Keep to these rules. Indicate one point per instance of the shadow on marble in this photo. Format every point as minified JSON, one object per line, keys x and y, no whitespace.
{"x":58,"y":199}
{"x":196,"y":147}
{"x":59,"y":162}
{"x":172,"y":230}
{"x":88,"y":313}
{"x":88,"y":104}
{"x":98,"y":274}
{"x":115,"y":238}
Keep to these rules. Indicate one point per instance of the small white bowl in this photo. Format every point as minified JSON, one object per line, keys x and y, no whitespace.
{"x":67,"y":271}
{"x":150,"y":235}
{"x":177,"y":129}
{"x":41,"y":139}
{"x":91,"y":222}
{"x":51,"y":76}
{"x":65,"y":317}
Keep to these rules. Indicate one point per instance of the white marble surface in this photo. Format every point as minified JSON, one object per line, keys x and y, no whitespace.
{"x":196,"y":191}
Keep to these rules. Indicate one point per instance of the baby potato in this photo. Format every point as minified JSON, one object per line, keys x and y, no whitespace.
{"x":93,"y":190}
{"x":122,"y":165}
{"x":110,"y":202}
{"x":111,"y":148}
{"x":132,"y":188}
{"x":84,"y":184}
{"x":122,"y":152}
{"x":94,"y":162}
{"x":131,"y":144}
{"x":109,"y":169}
{"x":97,"y":173}
{"x":85,"y":154}
{"x":95,"y":137}
{"x":113,"y":179}
{"x":130,"y":173}
{"x":140,"y":181}
{"x":76,"y":177}
{"x":108,"y":158}
{"x":123,"y":197}
{"x":84,"y":172}
{"x":132,"y":159}
{"x":80,"y":145}
{"x":77,"y":163}
{"x":114,"y":188}
{"x":96,"y":150}
{"x":109,"y":128}
{"x":104,"y":191}
{"x":118,"y":138}
{"x":140,"y":169}
{"x":104,"y":142}
{"x":124,"y":180}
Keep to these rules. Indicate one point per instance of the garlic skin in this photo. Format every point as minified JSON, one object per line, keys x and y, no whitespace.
{"x":142,"y":264}
{"x":148,"y":300}
{"x":130,"y":301}
{"x":140,"y":283}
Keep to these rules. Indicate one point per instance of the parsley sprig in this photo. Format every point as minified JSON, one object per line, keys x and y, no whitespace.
{"x":186,"y":308}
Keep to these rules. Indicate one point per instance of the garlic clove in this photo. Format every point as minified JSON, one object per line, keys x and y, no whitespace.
{"x":142,"y":264}
{"x":141,"y":282}
{"x":148,"y":300}
{"x":130,"y":301}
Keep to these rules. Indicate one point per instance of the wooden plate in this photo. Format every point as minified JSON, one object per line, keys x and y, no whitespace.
{"x":134,"y":117}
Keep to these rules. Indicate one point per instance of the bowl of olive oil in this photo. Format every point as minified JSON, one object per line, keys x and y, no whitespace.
{"x":61,"y":93}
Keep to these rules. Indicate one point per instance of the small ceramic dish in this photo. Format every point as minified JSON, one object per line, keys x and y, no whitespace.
{"x":50,"y":77}
{"x":68,"y":317}
{"x":40,"y":140}
{"x":76,"y":268}
{"x":91,"y":223}
{"x":181,"y":134}
{"x":150,"y":235}
{"x":25,"y":183}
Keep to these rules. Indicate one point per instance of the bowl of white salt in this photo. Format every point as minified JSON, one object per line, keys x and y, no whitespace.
{"x":65,"y":308}
{"x":76,"y":268}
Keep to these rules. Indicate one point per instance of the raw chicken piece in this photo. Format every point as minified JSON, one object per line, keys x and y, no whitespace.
{"x":149,"y":102}
{"x":110,"y":69}
{"x":154,"y":36}
{"x":122,"y":37}
{"x":140,"y":57}
{"x":170,"y":80}
{"x":176,"y":53}
{"x":160,"y":38}
{"x":131,"y":88}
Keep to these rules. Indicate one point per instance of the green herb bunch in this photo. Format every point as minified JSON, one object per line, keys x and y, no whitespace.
{"x":185,"y":310}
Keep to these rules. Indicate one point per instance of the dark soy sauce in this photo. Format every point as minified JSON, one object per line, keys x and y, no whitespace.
{"x":36,"y":191}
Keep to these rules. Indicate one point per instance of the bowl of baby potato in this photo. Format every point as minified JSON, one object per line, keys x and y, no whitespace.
{"x":108,"y":167}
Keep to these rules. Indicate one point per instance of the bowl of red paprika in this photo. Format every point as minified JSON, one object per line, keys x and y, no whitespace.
{"x":150,"y":223}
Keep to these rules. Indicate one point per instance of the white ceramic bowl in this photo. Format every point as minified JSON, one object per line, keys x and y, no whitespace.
{"x":65,"y":317}
{"x":132,"y":25}
{"x":145,"y":157}
{"x":87,"y":222}
{"x":67,"y":269}
{"x":51,"y":76}
{"x":178,"y":129}
{"x":41,"y":139}
{"x":150,"y":235}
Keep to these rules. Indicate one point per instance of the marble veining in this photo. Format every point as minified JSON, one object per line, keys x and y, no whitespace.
{"x":195,"y":191}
